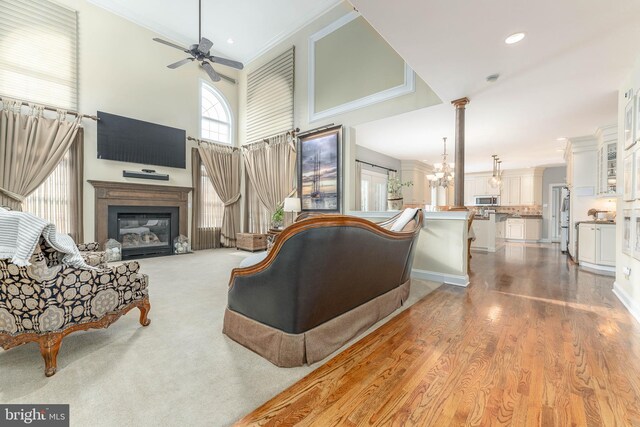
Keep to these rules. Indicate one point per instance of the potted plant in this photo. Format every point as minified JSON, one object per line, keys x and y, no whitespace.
{"x":277,"y":219}
{"x":394,"y":193}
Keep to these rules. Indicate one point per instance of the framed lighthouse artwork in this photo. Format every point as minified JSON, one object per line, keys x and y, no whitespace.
{"x":319,"y":170}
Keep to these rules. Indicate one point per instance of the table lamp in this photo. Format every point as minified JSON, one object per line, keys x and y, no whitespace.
{"x":292,"y":204}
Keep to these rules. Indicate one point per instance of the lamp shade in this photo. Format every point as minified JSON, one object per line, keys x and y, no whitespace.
{"x":292,"y":204}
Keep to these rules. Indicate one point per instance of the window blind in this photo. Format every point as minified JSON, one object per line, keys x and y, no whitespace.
{"x":270,"y":97}
{"x":39,"y":52}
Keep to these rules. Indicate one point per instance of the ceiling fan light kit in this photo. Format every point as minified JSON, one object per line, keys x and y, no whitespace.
{"x":202,"y":53}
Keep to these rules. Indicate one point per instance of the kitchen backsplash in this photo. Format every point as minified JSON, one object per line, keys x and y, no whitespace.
{"x":522,"y":210}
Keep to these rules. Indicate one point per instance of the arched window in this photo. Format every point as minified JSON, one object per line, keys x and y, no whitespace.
{"x":215,"y":123}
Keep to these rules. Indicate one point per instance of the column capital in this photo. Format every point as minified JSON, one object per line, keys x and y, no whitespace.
{"x":460,"y":103}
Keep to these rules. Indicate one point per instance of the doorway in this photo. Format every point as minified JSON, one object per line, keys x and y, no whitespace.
{"x":555,"y":204}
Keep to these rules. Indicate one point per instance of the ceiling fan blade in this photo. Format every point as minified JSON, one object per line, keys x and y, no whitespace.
{"x":171,"y":44}
{"x":180,"y":63}
{"x":211,"y":72}
{"x":205,"y":45}
{"x":227,"y":78}
{"x":228,"y":62}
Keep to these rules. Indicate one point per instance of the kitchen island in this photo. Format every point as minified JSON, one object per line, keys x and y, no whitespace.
{"x":489,"y":232}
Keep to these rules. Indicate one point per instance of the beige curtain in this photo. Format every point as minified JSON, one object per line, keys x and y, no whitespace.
{"x":358,"y":186}
{"x":205,"y":229}
{"x":31,"y":146}
{"x":257,"y":218}
{"x":77,"y":187}
{"x":223,"y":167}
{"x":271,"y":168}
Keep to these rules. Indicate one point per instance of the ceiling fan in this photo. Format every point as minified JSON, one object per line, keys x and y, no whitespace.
{"x":201,"y":52}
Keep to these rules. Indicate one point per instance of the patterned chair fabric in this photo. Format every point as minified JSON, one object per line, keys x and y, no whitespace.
{"x":49,"y":298}
{"x":92,"y":254}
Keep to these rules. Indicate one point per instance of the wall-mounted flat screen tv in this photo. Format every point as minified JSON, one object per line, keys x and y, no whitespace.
{"x":134,"y":141}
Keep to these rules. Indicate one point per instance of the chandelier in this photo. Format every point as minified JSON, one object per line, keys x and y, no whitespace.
{"x":443,"y":172}
{"x":496,"y":179}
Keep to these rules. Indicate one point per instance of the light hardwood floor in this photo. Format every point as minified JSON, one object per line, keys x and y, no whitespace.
{"x":532,"y":341}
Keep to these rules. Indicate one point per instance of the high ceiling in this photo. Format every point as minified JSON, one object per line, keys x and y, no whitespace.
{"x":254,"y":26}
{"x":560,"y":81}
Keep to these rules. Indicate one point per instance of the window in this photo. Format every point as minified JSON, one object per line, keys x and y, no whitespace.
{"x":49,"y":31}
{"x":50,"y":78}
{"x":211,"y":207}
{"x":52,"y":200}
{"x":373,"y":189}
{"x":216,"y":115}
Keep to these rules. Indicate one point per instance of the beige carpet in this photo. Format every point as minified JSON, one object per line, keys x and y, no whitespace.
{"x":181,"y":370}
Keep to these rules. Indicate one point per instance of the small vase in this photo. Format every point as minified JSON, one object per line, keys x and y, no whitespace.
{"x":395,"y":204}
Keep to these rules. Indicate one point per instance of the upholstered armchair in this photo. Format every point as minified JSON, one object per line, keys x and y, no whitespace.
{"x":48,"y":300}
{"x":92,"y":254}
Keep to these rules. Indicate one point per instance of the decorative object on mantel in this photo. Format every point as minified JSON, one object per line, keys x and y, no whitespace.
{"x":181,"y":245}
{"x":146,"y":174}
{"x":202,"y":53}
{"x":496,"y":178}
{"x":395,"y":200}
{"x":113,"y":248}
{"x":443,"y":173}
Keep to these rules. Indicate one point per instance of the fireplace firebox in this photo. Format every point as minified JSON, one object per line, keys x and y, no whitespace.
{"x":144,"y":231}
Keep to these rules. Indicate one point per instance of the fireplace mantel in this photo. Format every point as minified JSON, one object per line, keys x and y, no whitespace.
{"x":110,"y":193}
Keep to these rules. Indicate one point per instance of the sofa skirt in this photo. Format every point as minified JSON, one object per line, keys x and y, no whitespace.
{"x":289,"y":350}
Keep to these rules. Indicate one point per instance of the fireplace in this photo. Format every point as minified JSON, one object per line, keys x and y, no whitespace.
{"x":144,"y":218}
{"x":143,"y":231}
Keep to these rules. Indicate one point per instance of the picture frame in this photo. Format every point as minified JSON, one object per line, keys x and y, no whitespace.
{"x":629,"y":115}
{"x":635,"y":228}
{"x":628,"y":176}
{"x":320,"y":170}
{"x":626,"y":231}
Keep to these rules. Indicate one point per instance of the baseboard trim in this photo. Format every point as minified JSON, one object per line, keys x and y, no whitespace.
{"x":451,"y":279}
{"x":625,"y":299}
{"x":598,"y":268}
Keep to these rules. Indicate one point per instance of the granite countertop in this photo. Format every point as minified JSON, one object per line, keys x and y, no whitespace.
{"x":593,"y":221}
{"x":526,"y":216}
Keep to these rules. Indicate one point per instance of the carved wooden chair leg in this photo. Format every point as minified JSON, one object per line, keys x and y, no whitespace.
{"x":49,"y":347}
{"x":144,"y":307}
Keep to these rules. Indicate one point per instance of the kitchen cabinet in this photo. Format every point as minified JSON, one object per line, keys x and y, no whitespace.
{"x":532,"y":229}
{"x":515,"y":229}
{"x":523,"y":229}
{"x":597,"y":244}
{"x":510,"y":191}
{"x":606,"y":167}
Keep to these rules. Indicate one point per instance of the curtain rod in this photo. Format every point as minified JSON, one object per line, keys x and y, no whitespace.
{"x":200,"y":141}
{"x":376,"y":166}
{"x":318,"y":129}
{"x":292,"y":132}
{"x":50,"y":108}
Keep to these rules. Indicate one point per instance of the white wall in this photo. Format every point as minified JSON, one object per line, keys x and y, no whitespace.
{"x":422,"y":97}
{"x":627,"y":288}
{"x":123,"y":71}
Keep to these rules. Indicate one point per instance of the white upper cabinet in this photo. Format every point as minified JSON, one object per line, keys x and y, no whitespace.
{"x":519,"y":187}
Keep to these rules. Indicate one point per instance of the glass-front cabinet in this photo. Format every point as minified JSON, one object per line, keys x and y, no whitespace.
{"x":607,"y":172}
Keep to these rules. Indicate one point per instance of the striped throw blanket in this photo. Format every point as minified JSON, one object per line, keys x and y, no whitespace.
{"x":20,"y":234}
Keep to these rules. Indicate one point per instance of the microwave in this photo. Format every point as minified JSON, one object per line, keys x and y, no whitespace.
{"x":486,"y":200}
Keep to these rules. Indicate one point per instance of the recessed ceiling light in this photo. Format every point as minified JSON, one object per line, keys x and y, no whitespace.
{"x":514,"y":38}
{"x":560,"y":150}
{"x":230,"y":40}
{"x":562,"y":138}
